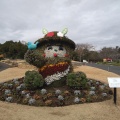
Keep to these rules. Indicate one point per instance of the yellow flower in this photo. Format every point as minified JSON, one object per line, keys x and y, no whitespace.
{"x":51,"y":65}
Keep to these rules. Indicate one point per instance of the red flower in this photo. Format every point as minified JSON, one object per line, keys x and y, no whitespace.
{"x":44,"y":55}
{"x":55,"y":55}
{"x":50,"y":34}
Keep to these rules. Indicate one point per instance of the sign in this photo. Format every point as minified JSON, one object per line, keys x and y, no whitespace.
{"x":114,"y":82}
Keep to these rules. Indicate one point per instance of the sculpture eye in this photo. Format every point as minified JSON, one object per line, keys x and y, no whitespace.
{"x":50,"y":48}
{"x":60,"y":48}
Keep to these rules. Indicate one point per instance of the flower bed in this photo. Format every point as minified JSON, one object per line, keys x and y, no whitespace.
{"x":14,"y":91}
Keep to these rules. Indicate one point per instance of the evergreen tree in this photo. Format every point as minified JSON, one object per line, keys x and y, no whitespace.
{"x":13,"y":50}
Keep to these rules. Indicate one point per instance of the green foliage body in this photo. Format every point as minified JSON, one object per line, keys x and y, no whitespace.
{"x":33,"y":57}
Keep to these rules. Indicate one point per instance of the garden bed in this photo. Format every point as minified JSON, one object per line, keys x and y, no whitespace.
{"x":14,"y":91}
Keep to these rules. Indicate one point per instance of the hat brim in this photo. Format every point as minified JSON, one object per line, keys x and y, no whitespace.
{"x":56,"y":40}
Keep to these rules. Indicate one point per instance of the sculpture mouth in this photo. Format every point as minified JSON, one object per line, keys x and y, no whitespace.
{"x":53,"y":72}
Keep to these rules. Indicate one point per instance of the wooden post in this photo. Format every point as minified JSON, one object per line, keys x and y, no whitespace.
{"x":115,"y":95}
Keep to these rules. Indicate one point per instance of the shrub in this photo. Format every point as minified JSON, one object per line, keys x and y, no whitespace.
{"x":60,"y":97}
{"x":27,"y":96}
{"x":83,"y":100}
{"x":31,"y":101}
{"x":92,"y":88}
{"x":92,"y":92}
{"x":76,"y":100}
{"x":9,"y":99}
{"x":48,"y":102}
{"x":77,"y":92}
{"x":33,"y":80}
{"x":43,"y":91}
{"x":7,"y":92}
{"x":18,"y":88}
{"x":77,"y":80}
{"x":104,"y":94}
{"x":58,"y":92}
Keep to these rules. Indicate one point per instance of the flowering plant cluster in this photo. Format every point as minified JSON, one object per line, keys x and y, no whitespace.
{"x":57,"y":76}
{"x":51,"y":69}
{"x":14,"y":91}
{"x":50,"y":34}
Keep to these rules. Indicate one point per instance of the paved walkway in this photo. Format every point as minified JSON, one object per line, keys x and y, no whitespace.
{"x":110,"y":68}
{"x":4,"y":66}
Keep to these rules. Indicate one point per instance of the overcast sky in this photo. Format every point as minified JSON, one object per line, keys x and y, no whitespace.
{"x":95,"y":22}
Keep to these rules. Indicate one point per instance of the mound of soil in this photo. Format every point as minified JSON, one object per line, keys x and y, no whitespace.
{"x":14,"y":91}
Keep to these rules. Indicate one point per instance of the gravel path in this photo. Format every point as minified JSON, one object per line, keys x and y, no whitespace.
{"x":93,"y":111}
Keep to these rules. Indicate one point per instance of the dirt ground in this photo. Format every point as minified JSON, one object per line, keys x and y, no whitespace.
{"x":89,"y":111}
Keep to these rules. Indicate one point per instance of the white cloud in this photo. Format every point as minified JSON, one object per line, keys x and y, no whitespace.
{"x":89,"y":21}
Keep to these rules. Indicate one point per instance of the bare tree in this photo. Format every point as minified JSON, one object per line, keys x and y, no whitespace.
{"x":82,"y":48}
{"x":110,"y":52}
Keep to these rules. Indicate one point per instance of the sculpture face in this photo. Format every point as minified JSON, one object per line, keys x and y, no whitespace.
{"x":55,"y":51}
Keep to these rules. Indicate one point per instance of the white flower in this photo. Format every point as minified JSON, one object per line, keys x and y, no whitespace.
{"x":56,"y":76}
{"x":60,"y":34}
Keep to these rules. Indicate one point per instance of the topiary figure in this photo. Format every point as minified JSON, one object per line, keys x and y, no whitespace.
{"x":77,"y":80}
{"x":33,"y":80}
{"x":52,"y":56}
